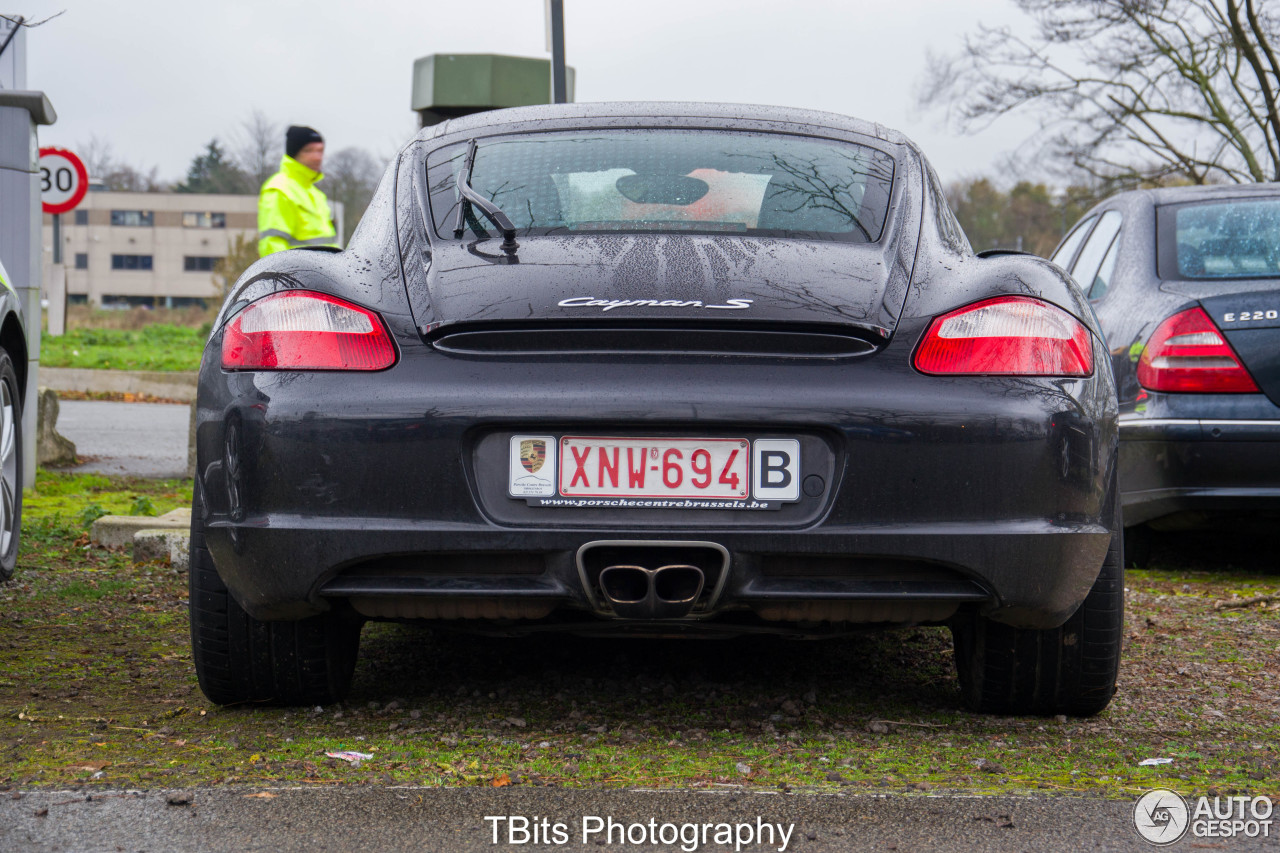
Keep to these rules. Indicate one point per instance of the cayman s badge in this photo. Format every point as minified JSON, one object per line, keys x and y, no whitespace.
{"x":533,"y":452}
{"x":610,"y":304}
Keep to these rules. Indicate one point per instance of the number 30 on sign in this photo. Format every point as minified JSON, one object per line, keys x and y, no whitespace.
{"x":63,"y":180}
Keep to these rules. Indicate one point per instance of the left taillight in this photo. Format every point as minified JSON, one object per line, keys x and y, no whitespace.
{"x":1006,"y":336}
{"x":303,"y":330}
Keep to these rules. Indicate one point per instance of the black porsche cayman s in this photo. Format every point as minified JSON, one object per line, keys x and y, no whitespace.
{"x":667,"y":369}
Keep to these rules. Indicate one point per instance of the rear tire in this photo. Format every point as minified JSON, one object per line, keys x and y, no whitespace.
{"x":1071,"y":669}
{"x":241,"y":659}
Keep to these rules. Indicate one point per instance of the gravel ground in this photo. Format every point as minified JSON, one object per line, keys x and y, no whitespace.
{"x":380,"y":818}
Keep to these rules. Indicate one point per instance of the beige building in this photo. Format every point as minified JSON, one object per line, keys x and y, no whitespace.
{"x":158,"y":249}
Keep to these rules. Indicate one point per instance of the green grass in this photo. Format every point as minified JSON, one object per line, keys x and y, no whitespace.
{"x":90,"y":590}
{"x":80,"y":499}
{"x":155,"y":347}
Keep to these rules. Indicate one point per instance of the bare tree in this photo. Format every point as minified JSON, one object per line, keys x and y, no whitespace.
{"x":98,"y":156}
{"x":13,"y":22}
{"x":351,"y":177}
{"x":259,"y":145}
{"x":116,"y":175}
{"x":126,"y":178}
{"x":1130,"y":90}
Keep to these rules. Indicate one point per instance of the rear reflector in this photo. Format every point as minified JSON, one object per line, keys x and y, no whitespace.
{"x":302,"y":330}
{"x":1187,"y":353}
{"x":1007,"y":336}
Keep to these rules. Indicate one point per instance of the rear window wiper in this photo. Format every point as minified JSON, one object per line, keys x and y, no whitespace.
{"x":490,"y":210}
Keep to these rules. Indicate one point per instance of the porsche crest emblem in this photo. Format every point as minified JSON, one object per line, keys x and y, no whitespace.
{"x":533,"y":453}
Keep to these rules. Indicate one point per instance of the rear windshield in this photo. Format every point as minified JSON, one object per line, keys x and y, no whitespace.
{"x":1236,"y":239}
{"x":671,"y":181}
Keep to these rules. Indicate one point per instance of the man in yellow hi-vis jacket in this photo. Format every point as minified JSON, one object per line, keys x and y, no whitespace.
{"x":292,"y":212}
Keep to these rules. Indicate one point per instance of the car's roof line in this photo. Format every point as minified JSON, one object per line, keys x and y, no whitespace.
{"x":567,"y":113}
{"x":1159,"y":196}
{"x":1225,"y":193}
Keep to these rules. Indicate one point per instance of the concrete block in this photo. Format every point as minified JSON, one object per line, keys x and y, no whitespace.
{"x":180,"y":552}
{"x":151,"y":544}
{"x":51,"y":448}
{"x":117,"y":531}
{"x":181,"y":515}
{"x":171,"y":385}
{"x":162,"y":544}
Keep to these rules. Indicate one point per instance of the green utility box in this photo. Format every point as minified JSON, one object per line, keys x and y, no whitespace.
{"x":446,"y":85}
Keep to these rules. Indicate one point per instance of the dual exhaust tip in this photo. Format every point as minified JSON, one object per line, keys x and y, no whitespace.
{"x":635,"y":592}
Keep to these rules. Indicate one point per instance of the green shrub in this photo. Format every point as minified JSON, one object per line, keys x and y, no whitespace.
{"x":142,"y":505}
{"x":90,"y":514}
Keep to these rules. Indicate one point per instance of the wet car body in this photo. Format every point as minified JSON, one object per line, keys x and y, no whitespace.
{"x":385,"y":495}
{"x":1191,"y":457}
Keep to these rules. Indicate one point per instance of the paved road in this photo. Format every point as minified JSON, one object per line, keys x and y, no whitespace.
{"x":452,"y":820}
{"x":137,"y":439}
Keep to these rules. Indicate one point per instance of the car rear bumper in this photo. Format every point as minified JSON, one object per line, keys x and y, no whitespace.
{"x":1170,"y":465}
{"x":379,"y":491}
{"x":1026,"y":573}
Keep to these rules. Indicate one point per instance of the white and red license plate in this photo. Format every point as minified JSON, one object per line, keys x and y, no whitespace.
{"x":655,"y":467}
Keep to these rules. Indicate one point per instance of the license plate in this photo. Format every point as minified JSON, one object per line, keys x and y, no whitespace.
{"x":653,"y":472}
{"x":655,"y":467}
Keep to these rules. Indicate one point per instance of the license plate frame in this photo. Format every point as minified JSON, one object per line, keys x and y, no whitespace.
{"x":702,"y":472}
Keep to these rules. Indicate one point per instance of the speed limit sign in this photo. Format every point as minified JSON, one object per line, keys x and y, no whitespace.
{"x":63,"y":180}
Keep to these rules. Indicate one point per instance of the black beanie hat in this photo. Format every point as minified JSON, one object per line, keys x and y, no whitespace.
{"x":298,"y":137}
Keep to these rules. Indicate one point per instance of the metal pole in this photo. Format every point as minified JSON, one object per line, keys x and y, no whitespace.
{"x":559,"y":91}
{"x":57,"y":281}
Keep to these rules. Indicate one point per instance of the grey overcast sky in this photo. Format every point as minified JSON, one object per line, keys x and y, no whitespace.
{"x":159,"y":78}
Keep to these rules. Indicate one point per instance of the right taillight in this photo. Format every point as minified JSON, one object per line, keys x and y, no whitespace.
{"x":1006,"y":336}
{"x":1187,"y":353}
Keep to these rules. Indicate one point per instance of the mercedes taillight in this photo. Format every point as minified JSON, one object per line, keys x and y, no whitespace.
{"x":1188,"y":353}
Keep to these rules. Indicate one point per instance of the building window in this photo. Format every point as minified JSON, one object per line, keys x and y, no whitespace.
{"x":198,"y":263}
{"x":131,"y":262}
{"x":77,"y":299}
{"x":82,"y":261}
{"x":110,"y":301}
{"x":140,"y":218}
{"x":192,"y":219}
{"x":82,"y":217}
